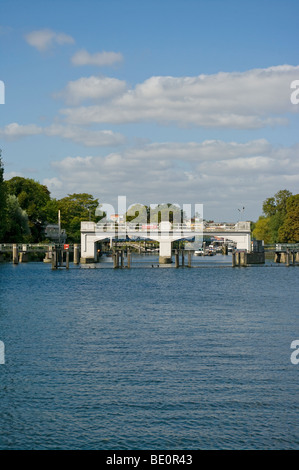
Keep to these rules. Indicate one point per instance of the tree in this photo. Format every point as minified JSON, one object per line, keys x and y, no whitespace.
{"x":32,"y":197}
{"x":17,"y":227}
{"x":289,"y":231}
{"x":274,"y":209}
{"x":275,"y":204}
{"x":262,"y":230}
{"x":74,"y":209}
{"x":2,"y":201}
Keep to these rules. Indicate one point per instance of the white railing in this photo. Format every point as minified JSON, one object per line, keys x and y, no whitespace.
{"x":125,"y":227}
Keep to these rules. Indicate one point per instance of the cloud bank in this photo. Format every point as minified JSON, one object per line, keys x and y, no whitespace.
{"x":240,"y":100}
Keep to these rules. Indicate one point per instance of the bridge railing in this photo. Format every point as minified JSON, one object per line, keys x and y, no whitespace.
{"x":145,"y":228}
{"x":124,"y":227}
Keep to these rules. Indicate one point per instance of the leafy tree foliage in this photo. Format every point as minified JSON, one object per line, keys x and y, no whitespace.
{"x":262,"y":230}
{"x":269,"y":226}
{"x":74,"y":209}
{"x":17,"y":227}
{"x":32,"y":197}
{"x":289,"y":231}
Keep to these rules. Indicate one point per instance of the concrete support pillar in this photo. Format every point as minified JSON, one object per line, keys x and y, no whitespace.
{"x":183,"y":258}
{"x":189,"y":259}
{"x":233,"y":259}
{"x":287,"y":258}
{"x":15,"y":254}
{"x":121,"y":258}
{"x":165,"y":252}
{"x":243,"y":258}
{"x":76,"y":253}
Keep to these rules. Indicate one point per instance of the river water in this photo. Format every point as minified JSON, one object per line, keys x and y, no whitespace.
{"x":148,"y":358}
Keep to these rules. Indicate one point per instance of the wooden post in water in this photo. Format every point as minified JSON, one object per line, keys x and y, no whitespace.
{"x":176,"y":258}
{"x":128,"y":258}
{"x":76,"y":253}
{"x":189,"y":258}
{"x":115,"y":259}
{"x":287,"y":258}
{"x":233,"y":259}
{"x":15,"y":254}
{"x":54,"y":258}
{"x":122,"y":258}
{"x":67,"y":260}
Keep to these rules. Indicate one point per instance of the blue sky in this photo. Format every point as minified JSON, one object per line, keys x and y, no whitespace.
{"x":183,"y":101}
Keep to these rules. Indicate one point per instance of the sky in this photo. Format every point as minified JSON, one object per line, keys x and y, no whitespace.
{"x":181,"y":101}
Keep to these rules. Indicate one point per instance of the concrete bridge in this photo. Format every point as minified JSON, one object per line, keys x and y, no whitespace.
{"x":165,"y":233}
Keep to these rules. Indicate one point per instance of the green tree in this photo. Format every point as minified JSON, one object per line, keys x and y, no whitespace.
{"x":262,"y":230}
{"x":274,"y":210}
{"x":2,"y":201}
{"x":275,"y":204}
{"x":17,"y":227}
{"x":289,"y":231}
{"x":74,"y":209}
{"x":32,"y":197}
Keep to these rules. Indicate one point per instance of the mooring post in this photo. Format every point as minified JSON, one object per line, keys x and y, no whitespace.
{"x":76,"y":253}
{"x":67,"y":260}
{"x":176,"y":258}
{"x":15,"y":254}
{"x":233,"y":259}
{"x":189,"y":258}
{"x":115,"y":259}
{"x":287,"y":258}
{"x":122,"y":258}
{"x":183,"y":258}
{"x":54,"y":258}
{"x":128,"y":258}
{"x":294,"y":258}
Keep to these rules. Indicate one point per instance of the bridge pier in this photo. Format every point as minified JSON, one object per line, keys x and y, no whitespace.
{"x":15,"y":254}
{"x":165,"y":252}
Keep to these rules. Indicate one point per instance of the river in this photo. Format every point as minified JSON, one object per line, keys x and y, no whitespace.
{"x":148,"y":358}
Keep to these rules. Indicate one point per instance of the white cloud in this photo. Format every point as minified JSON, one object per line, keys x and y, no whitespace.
{"x":87,"y":137}
{"x":79,"y":135}
{"x":91,"y":88}
{"x":241,"y":100}
{"x":15,"y":131}
{"x":44,"y":39}
{"x":99,"y":59}
{"x":187,"y":173}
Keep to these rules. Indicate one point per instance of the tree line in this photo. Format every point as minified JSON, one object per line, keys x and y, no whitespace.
{"x":279,"y":222}
{"x":26,"y":208}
